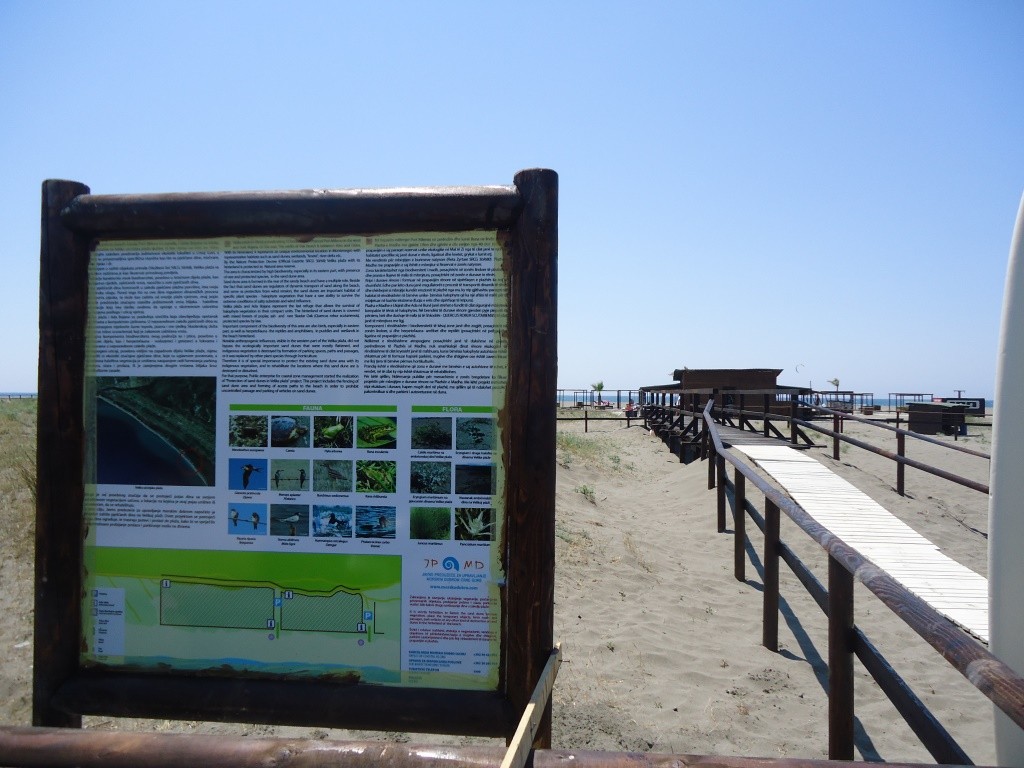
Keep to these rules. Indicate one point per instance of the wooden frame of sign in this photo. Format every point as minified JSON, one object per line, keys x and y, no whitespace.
{"x":525,"y":217}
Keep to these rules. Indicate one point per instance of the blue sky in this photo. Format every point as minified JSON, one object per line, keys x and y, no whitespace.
{"x":742,"y":184}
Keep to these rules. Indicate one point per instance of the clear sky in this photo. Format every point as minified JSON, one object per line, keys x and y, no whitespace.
{"x":829,"y":186}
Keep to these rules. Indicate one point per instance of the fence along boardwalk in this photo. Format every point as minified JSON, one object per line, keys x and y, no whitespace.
{"x":952,"y":589}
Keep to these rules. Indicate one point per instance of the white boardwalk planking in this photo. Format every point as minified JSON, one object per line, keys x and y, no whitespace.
{"x":951,"y":589}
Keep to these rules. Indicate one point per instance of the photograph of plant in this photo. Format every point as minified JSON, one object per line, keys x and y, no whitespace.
{"x":332,"y":476}
{"x":332,"y":431}
{"x":432,"y":433}
{"x":377,"y":432}
{"x":474,"y":434}
{"x":430,"y":477}
{"x":476,"y":479}
{"x":472,"y":524}
{"x":247,"y":431}
{"x":430,"y":523}
{"x":376,"y":476}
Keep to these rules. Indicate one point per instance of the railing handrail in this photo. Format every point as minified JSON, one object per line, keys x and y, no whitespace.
{"x":995,"y":679}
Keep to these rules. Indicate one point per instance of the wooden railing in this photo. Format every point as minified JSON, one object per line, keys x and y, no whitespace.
{"x":988,"y":674}
{"x":796,"y":416}
{"x":899,"y":457}
{"x":58,"y":747}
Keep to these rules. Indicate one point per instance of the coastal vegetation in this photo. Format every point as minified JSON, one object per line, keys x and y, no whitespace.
{"x":18,"y":478}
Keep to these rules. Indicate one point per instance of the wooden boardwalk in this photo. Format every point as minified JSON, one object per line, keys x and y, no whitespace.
{"x":950,"y":588}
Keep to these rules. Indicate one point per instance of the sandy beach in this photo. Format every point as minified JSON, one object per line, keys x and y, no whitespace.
{"x":661,"y":644}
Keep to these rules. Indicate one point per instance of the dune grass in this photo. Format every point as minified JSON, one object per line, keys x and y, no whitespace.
{"x":18,"y":477}
{"x":592,"y":450}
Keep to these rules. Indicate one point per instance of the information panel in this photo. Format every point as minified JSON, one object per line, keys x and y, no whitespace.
{"x":293,"y":457}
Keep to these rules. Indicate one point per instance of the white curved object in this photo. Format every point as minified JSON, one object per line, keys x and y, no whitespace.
{"x":1006,"y":502}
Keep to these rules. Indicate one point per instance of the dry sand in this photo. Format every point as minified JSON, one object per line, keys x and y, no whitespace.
{"x":661,"y":644}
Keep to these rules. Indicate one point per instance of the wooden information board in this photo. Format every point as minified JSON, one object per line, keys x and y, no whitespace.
{"x":296,"y":456}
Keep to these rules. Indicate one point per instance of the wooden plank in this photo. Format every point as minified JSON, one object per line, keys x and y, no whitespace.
{"x":862,"y":523}
{"x":522,"y":741}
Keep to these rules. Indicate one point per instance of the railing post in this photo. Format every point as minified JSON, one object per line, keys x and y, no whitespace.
{"x":585,"y":422}
{"x":712,"y":460}
{"x":840,"y":661}
{"x":835,"y":436}
{"x":792,"y":419}
{"x":720,"y":472}
{"x":770,"y":612}
{"x":739,"y":520}
{"x":704,"y":440}
{"x":901,"y":448}
{"x":766,"y":411}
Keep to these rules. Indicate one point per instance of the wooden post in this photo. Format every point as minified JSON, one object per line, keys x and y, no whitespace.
{"x":586,"y":423}
{"x":901,"y":448}
{"x":770,"y":613}
{"x":835,"y":436}
{"x":792,"y":419}
{"x":739,"y":520}
{"x":64,"y":263}
{"x":767,"y":409}
{"x":720,"y":473}
{"x":531,"y":443}
{"x":712,"y":460}
{"x":840,"y":661}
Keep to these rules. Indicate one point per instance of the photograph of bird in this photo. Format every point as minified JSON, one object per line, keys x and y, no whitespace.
{"x":247,"y":470}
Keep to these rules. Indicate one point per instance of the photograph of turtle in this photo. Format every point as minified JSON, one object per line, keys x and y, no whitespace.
{"x":375,"y":522}
{"x":474,"y":434}
{"x":430,"y":477}
{"x":374,"y":476}
{"x":332,"y":520}
{"x":473,"y":524}
{"x":430,"y":523}
{"x":332,"y":476}
{"x":247,"y":519}
{"x":289,"y":431}
{"x":475,"y":479}
{"x":247,"y":474}
{"x":376,"y":432}
{"x":155,"y":430}
{"x":289,"y":475}
{"x":289,"y":520}
{"x":431,"y":433}
{"x":332,"y":431}
{"x":247,"y":431}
